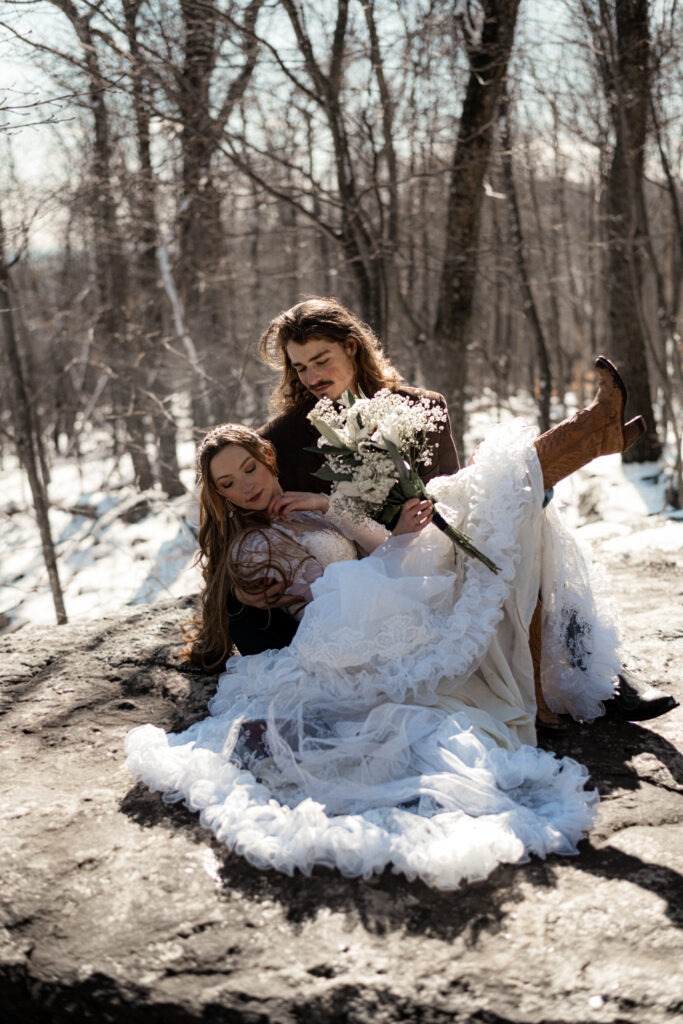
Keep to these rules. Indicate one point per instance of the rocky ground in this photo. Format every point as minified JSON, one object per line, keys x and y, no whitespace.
{"x":117,"y":907}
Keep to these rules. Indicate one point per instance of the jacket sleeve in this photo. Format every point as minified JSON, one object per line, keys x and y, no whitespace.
{"x":447,"y":461}
{"x":293,"y":435}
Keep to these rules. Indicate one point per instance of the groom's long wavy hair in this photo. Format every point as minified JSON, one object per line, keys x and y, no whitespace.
{"x":223,"y":531}
{"x":322,"y":318}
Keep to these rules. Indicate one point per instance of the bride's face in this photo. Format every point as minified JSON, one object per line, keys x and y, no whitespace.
{"x":242,"y":479}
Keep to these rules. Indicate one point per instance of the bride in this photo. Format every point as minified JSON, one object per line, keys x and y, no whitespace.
{"x":398,"y":727}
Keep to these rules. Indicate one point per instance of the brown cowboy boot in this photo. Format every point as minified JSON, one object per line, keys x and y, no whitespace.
{"x":544,"y":716}
{"x":599,"y":429}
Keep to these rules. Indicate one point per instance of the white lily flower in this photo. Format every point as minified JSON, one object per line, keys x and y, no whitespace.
{"x":331,"y":435}
{"x":347,"y":488}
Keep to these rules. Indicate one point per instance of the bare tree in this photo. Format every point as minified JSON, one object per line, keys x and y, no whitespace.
{"x":113,"y":340}
{"x":621,"y":38}
{"x":146,"y":315}
{"x":517,"y":241}
{"x":489,"y":52}
{"x":201,"y":268}
{"x":25,"y":432}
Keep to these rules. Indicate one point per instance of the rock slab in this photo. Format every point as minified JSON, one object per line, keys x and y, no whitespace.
{"x":116,"y":907}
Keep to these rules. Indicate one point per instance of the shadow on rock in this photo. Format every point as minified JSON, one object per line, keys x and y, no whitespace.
{"x":609,"y":862}
{"x":383,"y":903}
{"x":151,"y":811}
{"x":391,"y":903}
{"x":606,"y":748}
{"x":609,"y":750}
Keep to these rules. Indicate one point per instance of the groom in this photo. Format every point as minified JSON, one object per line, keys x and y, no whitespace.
{"x":321,"y":350}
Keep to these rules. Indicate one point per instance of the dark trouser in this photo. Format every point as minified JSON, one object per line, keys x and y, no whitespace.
{"x":254,"y":630}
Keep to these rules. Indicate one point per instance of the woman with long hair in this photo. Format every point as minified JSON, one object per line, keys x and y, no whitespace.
{"x":252,"y":536}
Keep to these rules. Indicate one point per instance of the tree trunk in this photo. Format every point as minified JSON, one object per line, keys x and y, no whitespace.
{"x":113,"y":342}
{"x":489,"y":58}
{"x":202,"y":253}
{"x":202,"y":265}
{"x":147,"y":312}
{"x":631,"y":95}
{"x":517,"y":243}
{"x":362,"y":249}
{"x":24,"y":432}
{"x":548,"y":247}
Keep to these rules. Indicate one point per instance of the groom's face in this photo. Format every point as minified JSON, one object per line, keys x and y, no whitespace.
{"x":325,"y":367}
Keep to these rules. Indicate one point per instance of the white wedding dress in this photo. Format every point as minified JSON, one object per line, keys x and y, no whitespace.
{"x":400,"y":721}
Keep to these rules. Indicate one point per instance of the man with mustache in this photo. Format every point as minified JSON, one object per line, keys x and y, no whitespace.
{"x":323,"y":350}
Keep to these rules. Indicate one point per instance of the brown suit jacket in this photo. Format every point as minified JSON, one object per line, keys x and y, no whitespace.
{"x":291,"y":433}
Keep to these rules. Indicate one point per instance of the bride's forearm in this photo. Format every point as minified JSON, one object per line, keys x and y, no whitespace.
{"x":367,"y":534}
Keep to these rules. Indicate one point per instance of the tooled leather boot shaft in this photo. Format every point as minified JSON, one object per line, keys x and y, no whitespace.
{"x":599,"y":429}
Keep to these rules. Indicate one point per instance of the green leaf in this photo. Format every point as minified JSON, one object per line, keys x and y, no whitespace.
{"x":327,"y":473}
{"x":329,"y":449}
{"x":402,"y":467}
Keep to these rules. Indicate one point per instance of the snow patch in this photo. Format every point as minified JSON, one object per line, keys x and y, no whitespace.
{"x":107,"y":561}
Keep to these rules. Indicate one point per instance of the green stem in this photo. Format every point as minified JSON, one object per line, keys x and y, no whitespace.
{"x":461,"y":540}
{"x":457,"y":537}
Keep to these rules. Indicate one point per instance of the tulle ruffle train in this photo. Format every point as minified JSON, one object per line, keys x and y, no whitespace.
{"x":398,"y":727}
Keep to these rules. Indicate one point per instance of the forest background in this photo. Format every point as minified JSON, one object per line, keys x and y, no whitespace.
{"x":494,"y":186}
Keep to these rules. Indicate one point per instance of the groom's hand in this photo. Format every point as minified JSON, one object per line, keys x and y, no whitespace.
{"x":270,"y":594}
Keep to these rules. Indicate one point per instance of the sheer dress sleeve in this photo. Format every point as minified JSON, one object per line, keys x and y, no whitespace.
{"x":367,"y":535}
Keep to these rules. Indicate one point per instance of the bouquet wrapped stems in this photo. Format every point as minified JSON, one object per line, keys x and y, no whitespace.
{"x":462,"y":540}
{"x":409,"y":485}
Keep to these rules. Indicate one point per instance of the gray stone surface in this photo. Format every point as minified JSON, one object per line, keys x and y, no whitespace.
{"x":117,"y":907}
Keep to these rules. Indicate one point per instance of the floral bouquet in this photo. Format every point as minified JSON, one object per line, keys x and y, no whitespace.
{"x":373,"y":448}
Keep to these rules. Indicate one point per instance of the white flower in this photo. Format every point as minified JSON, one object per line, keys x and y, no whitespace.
{"x":360,"y":433}
{"x":355,"y":430}
{"x":347,"y":489}
{"x":389,"y":430}
{"x":328,"y":432}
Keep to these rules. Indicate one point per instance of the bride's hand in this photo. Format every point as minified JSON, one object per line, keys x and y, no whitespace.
{"x":415,"y":515}
{"x":297,"y":501}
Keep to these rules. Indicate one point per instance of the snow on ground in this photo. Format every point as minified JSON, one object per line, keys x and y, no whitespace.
{"x":107,"y":561}
{"x":619,"y":511}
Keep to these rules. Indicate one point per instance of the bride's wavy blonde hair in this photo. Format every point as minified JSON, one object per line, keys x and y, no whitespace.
{"x":223,"y":531}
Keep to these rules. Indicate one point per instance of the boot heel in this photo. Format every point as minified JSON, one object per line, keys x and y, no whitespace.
{"x":633,"y":430}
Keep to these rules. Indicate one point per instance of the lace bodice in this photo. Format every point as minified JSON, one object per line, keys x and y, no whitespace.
{"x":321,"y":538}
{"x":302,"y":545}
